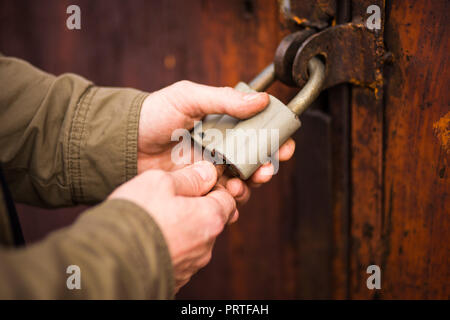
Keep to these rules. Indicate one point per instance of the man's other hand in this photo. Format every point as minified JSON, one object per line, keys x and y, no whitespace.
{"x":190,"y":209}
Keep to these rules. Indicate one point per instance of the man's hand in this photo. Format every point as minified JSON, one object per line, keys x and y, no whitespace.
{"x":191,"y":204}
{"x":188,"y":213}
{"x":184,"y":102}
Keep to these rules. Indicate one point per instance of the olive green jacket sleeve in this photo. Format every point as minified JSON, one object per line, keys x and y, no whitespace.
{"x":117,"y":248}
{"x":64,"y":141}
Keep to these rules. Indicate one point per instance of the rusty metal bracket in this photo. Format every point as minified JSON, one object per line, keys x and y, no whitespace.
{"x":285,"y":54}
{"x":351,"y":53}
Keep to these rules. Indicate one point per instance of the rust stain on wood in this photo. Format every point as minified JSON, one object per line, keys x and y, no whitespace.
{"x":442,"y":131}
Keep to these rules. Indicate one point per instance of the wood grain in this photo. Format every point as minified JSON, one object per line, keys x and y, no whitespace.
{"x":416,"y":203}
{"x":383,"y":164}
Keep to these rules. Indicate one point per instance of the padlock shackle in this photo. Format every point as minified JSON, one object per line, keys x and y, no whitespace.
{"x":307,"y":94}
{"x":264,"y":79}
{"x":312,"y":88}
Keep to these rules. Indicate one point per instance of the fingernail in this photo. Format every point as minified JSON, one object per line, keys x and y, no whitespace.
{"x":204,"y":170}
{"x":251,"y":96}
{"x":266,"y":170}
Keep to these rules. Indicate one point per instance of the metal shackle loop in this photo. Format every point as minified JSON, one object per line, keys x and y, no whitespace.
{"x":307,"y":94}
{"x":264,"y":79}
{"x":312,"y":88}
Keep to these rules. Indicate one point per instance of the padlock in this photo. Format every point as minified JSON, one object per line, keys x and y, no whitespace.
{"x":244,"y":145}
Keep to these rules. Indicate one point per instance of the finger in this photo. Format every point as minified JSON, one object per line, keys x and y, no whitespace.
{"x":195,"y":180}
{"x":238,"y":189}
{"x":221,"y":202}
{"x":234,"y":217}
{"x":213,"y":211}
{"x":286,"y":151}
{"x":263,"y":174}
{"x":197,"y":100}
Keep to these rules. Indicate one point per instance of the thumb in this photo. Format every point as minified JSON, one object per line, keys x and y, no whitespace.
{"x":195,"y":180}
{"x":197,"y":100}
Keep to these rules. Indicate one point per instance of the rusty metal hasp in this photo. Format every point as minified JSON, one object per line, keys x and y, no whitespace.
{"x":352,"y":53}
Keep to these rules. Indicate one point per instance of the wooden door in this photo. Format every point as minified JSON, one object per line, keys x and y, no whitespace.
{"x":369,"y":181}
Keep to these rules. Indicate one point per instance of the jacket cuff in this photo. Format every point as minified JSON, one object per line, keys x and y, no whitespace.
{"x":102,"y":147}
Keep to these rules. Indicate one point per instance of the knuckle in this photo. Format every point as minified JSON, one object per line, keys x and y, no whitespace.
{"x":228,"y":92}
{"x":205,"y":260}
{"x":230,"y":202}
{"x":216,"y":224}
{"x":225,"y":206}
{"x":213,"y":220}
{"x":214,"y":208}
{"x":183,"y":84}
{"x":215,"y":216}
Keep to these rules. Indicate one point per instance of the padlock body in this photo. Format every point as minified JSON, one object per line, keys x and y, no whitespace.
{"x":244,"y":145}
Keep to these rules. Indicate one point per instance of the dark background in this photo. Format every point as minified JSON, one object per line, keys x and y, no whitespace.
{"x":327,"y":215}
